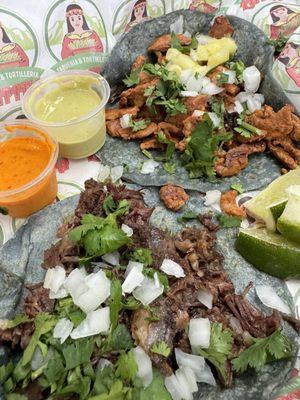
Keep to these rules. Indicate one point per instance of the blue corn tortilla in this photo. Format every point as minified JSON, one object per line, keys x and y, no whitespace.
{"x":253,"y":48}
{"x":20,"y":260}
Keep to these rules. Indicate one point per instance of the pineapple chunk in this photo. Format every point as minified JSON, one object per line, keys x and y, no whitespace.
{"x":175,"y":68}
{"x":229,"y":44}
{"x":218,"y":58}
{"x":202,"y":53}
{"x":182,"y":60}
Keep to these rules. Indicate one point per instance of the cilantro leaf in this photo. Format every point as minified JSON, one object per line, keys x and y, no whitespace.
{"x":156,"y":389}
{"x":115,"y":302}
{"x":274,"y":347}
{"x":238,"y":187}
{"x":199,"y":156}
{"x":238,"y":67}
{"x":17,"y":320}
{"x":170,"y":168}
{"x":187,"y":216}
{"x":217,"y":106}
{"x":126,"y":366}
{"x":133,"y":78}
{"x":161,"y":277}
{"x":161,"y":138}
{"x":220,"y":347}
{"x":120,"y":339}
{"x":143,"y":256}
{"x":227,"y":221}
{"x":139,"y":124}
{"x":77,"y":353}
{"x":161,"y":348}
{"x":147,"y":154}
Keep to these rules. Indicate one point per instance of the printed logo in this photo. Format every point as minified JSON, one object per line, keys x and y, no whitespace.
{"x":18,"y":56}
{"x":132,"y":12}
{"x":277,"y":19}
{"x":75,"y":35}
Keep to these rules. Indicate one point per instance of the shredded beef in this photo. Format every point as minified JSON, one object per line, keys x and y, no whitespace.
{"x":229,"y":206}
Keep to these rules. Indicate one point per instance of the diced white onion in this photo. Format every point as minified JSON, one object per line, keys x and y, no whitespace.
{"x":207,"y":376}
{"x":211,"y":89}
{"x":112,"y":258}
{"x":149,"y":166}
{"x":194,"y":84}
{"x":177,"y":26}
{"x":54,"y":278}
{"x":102,"y":363}
{"x":190,"y":378}
{"x":205,"y":81}
{"x":184,"y":386}
{"x":170,"y":267}
{"x":238,"y":107}
{"x":198,"y":113}
{"x":205,"y":297}
{"x":133,"y":280}
{"x":212,"y":199}
{"x":62,"y":329}
{"x":116,"y":173}
{"x":260,"y":97}
{"x":127,"y":229}
{"x":185,"y":75}
{"x":251,"y":76}
{"x":214,"y":119}
{"x":144,"y":366}
{"x":38,"y":360}
{"x":187,"y":34}
{"x":196,"y":363}
{"x":75,"y":282}
{"x":95,"y":322}
{"x":199,"y":332}
{"x":173,"y":387}
{"x":103,"y":173}
{"x":133,"y":264}
{"x":242,"y":97}
{"x":253,"y":104}
{"x":60,"y":294}
{"x":187,"y":93}
{"x":270,"y":298}
{"x":98,"y":291}
{"x":203,"y":39}
{"x":125,"y":121}
{"x":231,"y":76}
{"x":149,"y":290}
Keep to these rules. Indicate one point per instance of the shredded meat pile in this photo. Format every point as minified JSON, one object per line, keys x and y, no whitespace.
{"x":279,"y":130}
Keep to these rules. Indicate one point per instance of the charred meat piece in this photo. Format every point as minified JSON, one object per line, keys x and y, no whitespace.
{"x":196,"y":103}
{"x":115,"y":129}
{"x":276,"y":124}
{"x":221,"y":28}
{"x":189,"y":124}
{"x":160,"y":57}
{"x":151,"y":144}
{"x":169,"y":128}
{"x":206,"y":221}
{"x":229,"y":206}
{"x":236,"y":159}
{"x":18,"y":336}
{"x":138,"y":62}
{"x":174,"y":197}
{"x":37,"y":300}
{"x":289,"y":147}
{"x":177,"y":120}
{"x":135,"y":96}
{"x":163,"y":43}
{"x":115,"y":113}
{"x":296,"y":132}
{"x":283,"y":156}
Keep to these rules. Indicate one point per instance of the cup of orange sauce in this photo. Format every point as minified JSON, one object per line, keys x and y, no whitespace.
{"x":27,"y":168}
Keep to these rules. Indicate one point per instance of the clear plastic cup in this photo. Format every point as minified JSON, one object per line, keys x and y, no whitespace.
{"x":41,"y":190}
{"x":80,"y":137}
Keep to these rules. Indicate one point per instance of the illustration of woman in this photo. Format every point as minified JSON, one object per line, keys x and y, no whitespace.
{"x":80,"y":38}
{"x":202,"y":5}
{"x":11,"y":54}
{"x":290,"y":57}
{"x":285,"y":21}
{"x":138,"y":14}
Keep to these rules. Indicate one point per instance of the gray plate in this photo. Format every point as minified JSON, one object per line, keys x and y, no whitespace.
{"x":252,"y":49}
{"x":20,"y":260}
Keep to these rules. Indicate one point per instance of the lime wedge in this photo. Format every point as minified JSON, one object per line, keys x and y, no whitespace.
{"x":259,"y":206}
{"x":288,"y":223}
{"x":269,"y":252}
{"x":277,"y":209}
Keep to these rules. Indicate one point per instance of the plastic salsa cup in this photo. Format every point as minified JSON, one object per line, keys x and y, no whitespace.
{"x":19,"y":144}
{"x":71,"y":106}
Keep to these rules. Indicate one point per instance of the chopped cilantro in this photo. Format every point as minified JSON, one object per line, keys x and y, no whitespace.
{"x":131,"y":303}
{"x":200,"y":154}
{"x":278,"y":43}
{"x":17,"y":320}
{"x":143,"y":256}
{"x":222,"y":78}
{"x":126,"y":366}
{"x":247,"y":130}
{"x":133,"y":78}
{"x":238,"y":67}
{"x":115,"y":302}
{"x":238,"y":187}
{"x":170,"y":149}
{"x":175,"y":43}
{"x":161,"y":348}
{"x":220,"y":347}
{"x":217,"y":106}
{"x":138,"y":125}
{"x":153,"y":317}
{"x":170,"y":168}
{"x":274,"y":347}
{"x":161,"y":277}
{"x":227,"y":221}
{"x":147,"y":154}
{"x":187,"y":216}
